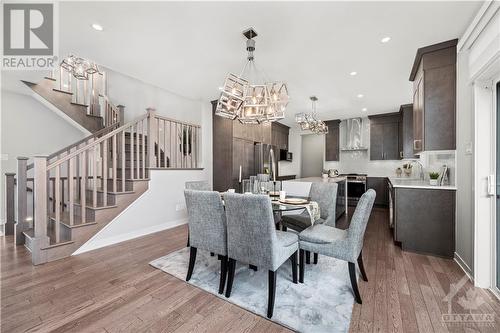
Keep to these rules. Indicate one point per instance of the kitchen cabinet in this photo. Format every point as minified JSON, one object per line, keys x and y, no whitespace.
{"x":434,"y":97}
{"x":424,"y":220}
{"x":222,"y":152}
{"x":332,"y":139}
{"x":406,"y":134}
{"x":384,"y":136}
{"x":379,"y":184}
{"x":243,"y":155}
{"x":279,"y":135}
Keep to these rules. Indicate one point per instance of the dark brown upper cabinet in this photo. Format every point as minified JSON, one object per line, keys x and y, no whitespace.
{"x":384,"y":136}
{"x":279,"y":135}
{"x":406,"y":131}
{"x":434,"y":97}
{"x":332,"y":138}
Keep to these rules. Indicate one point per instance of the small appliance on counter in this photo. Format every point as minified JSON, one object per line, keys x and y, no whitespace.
{"x":332,"y":173}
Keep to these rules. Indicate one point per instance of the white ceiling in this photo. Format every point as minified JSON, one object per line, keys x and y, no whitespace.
{"x":188,"y":48}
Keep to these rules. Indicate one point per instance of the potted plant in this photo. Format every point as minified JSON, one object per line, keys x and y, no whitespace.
{"x":433,"y":178}
{"x":407,"y":167}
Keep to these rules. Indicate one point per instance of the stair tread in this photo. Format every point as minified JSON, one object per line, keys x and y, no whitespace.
{"x":65,"y":217}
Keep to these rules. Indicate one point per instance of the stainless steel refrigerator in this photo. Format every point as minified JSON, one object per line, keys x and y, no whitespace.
{"x":262,"y":158}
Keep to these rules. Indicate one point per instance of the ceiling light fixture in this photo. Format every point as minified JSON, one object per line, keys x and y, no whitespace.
{"x":262,"y":101}
{"x":79,"y":67}
{"x":310,"y":121}
{"x":385,"y":39}
{"x":353,"y":73}
{"x":361,"y":95}
{"x":364,"y":109}
{"x":97,"y":26}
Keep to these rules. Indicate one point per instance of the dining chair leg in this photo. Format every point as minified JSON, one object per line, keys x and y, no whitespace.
{"x":315,"y":258}
{"x":362,"y":267}
{"x":293,"y":258}
{"x":212,"y":254}
{"x":230,"y":276}
{"x":301,"y":266}
{"x":354,"y":282}
{"x":223,"y":274}
{"x":308,"y":257}
{"x":253,"y":267}
{"x":272,"y":293}
{"x":188,"y":240}
{"x":284,"y":228}
{"x":192,"y":259}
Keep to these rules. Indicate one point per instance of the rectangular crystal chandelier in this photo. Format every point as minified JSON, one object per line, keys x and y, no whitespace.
{"x":232,"y":97}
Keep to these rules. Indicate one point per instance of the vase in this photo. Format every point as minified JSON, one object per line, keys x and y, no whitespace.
{"x":433,"y":182}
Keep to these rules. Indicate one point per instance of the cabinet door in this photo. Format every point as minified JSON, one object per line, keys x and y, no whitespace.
{"x":222,"y":139}
{"x":379,"y":184}
{"x":418,"y":117}
{"x":332,"y":143}
{"x":243,"y":154}
{"x":377,"y":142}
{"x":407,"y":135}
{"x":390,"y":141}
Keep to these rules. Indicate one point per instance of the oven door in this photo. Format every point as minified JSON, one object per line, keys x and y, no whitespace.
{"x":355,"y":189}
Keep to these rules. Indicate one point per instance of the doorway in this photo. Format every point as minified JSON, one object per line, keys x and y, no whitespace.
{"x":313,"y":147}
{"x":497,"y":193}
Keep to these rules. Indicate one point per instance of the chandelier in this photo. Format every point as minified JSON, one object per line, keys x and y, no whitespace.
{"x":79,"y":67}
{"x":310,"y":121}
{"x":252,"y":103}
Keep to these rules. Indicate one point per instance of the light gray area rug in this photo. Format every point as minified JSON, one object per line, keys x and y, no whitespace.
{"x":322,"y":304}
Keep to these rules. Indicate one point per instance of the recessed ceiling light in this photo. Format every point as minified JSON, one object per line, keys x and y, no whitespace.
{"x":361,"y":95}
{"x":364,"y":109}
{"x":385,"y":39}
{"x":97,"y":26}
{"x":353,"y":73}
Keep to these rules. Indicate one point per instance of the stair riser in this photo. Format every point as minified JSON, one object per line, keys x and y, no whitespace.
{"x":100,"y":198}
{"x":89,"y":212}
{"x":129,"y":185}
{"x":128,"y":173}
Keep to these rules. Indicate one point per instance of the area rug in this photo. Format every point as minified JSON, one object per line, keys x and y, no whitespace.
{"x":322,"y":304}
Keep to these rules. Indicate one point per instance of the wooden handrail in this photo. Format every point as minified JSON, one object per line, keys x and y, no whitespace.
{"x":177,"y":121}
{"x":96,"y":142}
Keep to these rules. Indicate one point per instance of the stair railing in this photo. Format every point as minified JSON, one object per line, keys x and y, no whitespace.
{"x":91,"y":92}
{"x":66,"y":184}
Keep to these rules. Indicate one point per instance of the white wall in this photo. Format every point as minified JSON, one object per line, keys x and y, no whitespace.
{"x":156,"y":210}
{"x":28,"y":128}
{"x":464,"y":229}
{"x":294,"y":146}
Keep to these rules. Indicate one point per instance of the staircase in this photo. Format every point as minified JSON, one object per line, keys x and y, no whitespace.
{"x":58,"y":202}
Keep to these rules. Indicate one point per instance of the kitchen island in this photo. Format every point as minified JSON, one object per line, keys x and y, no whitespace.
{"x":301,"y":186}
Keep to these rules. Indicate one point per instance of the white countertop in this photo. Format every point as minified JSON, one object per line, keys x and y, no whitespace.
{"x":318,"y":179}
{"x":418,"y":183}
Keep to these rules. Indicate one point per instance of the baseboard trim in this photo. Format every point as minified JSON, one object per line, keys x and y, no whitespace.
{"x":461,"y":263}
{"x":131,"y":235}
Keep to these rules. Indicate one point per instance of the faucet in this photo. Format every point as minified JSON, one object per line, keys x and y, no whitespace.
{"x":421,"y":169}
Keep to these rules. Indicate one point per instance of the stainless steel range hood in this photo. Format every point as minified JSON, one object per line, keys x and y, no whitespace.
{"x":353,"y":139}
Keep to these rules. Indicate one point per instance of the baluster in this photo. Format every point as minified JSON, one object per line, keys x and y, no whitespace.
{"x":60,"y":78}
{"x":151,"y":137}
{"x":137,"y":151}
{"x":68,"y":77}
{"x":164,"y":144}
{"x":57,"y":202}
{"x":83,"y":186}
{"x":123,"y":161}
{"x":121,"y":114}
{"x":113,"y":154}
{"x":22,"y":198}
{"x":143,"y":131}
{"x":77,"y":92}
{"x":85,"y":92}
{"x":10,"y":203}
{"x":40,"y":219}
{"x":131,"y":144}
{"x":196,"y":147}
{"x":170,"y":142}
{"x":105,"y":172}
{"x":94,"y":177}
{"x":158,"y":138}
{"x":71,"y":189}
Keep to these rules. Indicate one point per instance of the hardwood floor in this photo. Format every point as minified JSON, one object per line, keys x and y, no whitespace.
{"x":114,"y":289}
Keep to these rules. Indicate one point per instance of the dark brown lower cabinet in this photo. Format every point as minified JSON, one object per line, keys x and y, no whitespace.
{"x":379,"y":184}
{"x":424,"y":220}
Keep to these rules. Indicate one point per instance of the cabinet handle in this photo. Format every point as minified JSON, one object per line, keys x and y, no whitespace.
{"x":400,"y":154}
{"x":416,"y":144}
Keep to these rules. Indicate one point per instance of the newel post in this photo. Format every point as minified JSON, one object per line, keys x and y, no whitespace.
{"x":22,"y":200}
{"x":40,"y":215}
{"x":10,"y":205}
{"x":151,"y":137}
{"x":121,"y":114}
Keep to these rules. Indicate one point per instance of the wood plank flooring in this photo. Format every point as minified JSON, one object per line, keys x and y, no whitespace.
{"x":114,"y":289}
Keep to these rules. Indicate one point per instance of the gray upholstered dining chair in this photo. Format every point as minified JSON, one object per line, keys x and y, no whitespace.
{"x":207,"y":229}
{"x":199,"y":185}
{"x":253,"y":239}
{"x":341,"y":244}
{"x":325,"y":194}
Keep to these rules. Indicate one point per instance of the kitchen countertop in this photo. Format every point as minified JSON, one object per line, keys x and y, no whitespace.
{"x":318,"y":180}
{"x":417,"y":183}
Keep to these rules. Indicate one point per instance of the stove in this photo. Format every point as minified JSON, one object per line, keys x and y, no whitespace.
{"x":356,"y":186}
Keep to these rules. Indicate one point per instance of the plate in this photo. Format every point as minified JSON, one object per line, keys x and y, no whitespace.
{"x":294,"y":201}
